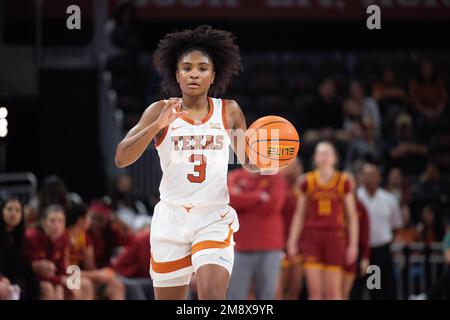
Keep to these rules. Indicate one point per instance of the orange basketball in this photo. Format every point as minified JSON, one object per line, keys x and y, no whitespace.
{"x":272,"y":142}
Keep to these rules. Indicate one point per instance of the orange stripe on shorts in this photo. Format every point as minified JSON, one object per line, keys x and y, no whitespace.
{"x":171,"y":266}
{"x":212,"y":244}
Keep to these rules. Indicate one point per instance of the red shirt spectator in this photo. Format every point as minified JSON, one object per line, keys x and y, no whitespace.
{"x":428,"y":94}
{"x":41,"y":247}
{"x":134,"y":260}
{"x":258,"y":200}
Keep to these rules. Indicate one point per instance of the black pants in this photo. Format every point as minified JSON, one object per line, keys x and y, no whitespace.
{"x":441,"y":286}
{"x":382,"y":257}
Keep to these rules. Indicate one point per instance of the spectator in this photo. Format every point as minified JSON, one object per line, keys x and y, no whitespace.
{"x":133,"y":265}
{"x":82,"y":255}
{"x":352,"y":121}
{"x":122,"y":35}
{"x":407,"y":234}
{"x":48,"y":248}
{"x":107,"y":235}
{"x":127,"y":206}
{"x":81,"y":250}
{"x":259,"y":201}
{"x":53,"y":191}
{"x":442,"y":285}
{"x":406,"y":150}
{"x":428,"y":190}
{"x":366,"y":148}
{"x":388,"y":88}
{"x":15,"y":266}
{"x":430,"y":228}
{"x":427,"y":93}
{"x":291,"y":280}
{"x":326,"y":103}
{"x":385,"y":218}
{"x":367,"y":107}
{"x":397,"y":186}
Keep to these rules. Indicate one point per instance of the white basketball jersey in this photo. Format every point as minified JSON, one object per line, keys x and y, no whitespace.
{"x":194,"y":159}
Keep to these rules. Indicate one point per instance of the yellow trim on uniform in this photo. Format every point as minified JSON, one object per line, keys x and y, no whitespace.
{"x":313,"y":265}
{"x":309,"y":182}
{"x":349,"y":274}
{"x":332,"y":268}
{"x":286,"y":263}
{"x":341,"y":184}
{"x":330,"y":184}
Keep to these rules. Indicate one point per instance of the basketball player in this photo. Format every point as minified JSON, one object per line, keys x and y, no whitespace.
{"x":357,"y":270}
{"x":291,"y":281}
{"x":325,"y":197}
{"x":193,"y":225}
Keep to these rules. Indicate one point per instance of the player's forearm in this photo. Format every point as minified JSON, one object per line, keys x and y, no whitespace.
{"x":245,"y":200}
{"x":353,"y":232}
{"x":296,"y":228}
{"x":131,"y":148}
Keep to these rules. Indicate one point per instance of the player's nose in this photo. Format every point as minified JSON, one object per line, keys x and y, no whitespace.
{"x":194,"y":75}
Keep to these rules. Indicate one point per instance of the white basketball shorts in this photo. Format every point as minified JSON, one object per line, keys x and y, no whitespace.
{"x":182,"y":239}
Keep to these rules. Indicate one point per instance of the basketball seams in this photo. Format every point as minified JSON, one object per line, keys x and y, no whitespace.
{"x":265,"y":125}
{"x":252,"y":152}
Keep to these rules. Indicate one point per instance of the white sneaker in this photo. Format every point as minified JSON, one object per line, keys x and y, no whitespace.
{"x":421,"y":296}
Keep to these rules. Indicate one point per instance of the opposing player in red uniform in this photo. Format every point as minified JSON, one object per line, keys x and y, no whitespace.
{"x":325,"y":197}
{"x":291,"y":280}
{"x":358,"y":269}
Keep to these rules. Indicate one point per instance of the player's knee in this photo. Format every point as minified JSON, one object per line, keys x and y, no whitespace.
{"x":59,"y":292}
{"x":47,"y":290}
{"x":116,"y":290}
{"x":88,"y":289}
{"x":210,"y":290}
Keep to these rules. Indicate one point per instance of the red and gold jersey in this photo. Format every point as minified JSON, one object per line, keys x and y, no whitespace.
{"x":78,"y":244}
{"x":325,"y":202}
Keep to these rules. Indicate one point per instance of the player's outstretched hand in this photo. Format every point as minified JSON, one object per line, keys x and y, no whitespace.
{"x":169,"y":114}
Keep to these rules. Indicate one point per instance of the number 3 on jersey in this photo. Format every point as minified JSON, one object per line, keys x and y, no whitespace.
{"x":200,"y":168}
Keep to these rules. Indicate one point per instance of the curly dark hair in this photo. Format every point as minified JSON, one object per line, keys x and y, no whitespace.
{"x":219,"y":45}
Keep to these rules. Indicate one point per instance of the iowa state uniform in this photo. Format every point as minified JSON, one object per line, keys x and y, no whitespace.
{"x":193,"y":224}
{"x":324,"y":239}
{"x":39,"y":246}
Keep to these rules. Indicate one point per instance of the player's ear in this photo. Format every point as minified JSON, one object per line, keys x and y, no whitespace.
{"x":213,"y":76}
{"x":177,"y":76}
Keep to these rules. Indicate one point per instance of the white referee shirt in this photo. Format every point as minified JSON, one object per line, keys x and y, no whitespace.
{"x":384,"y":214}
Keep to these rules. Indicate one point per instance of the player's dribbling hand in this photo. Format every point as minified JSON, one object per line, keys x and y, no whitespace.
{"x":169,"y":114}
{"x":351,"y":254}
